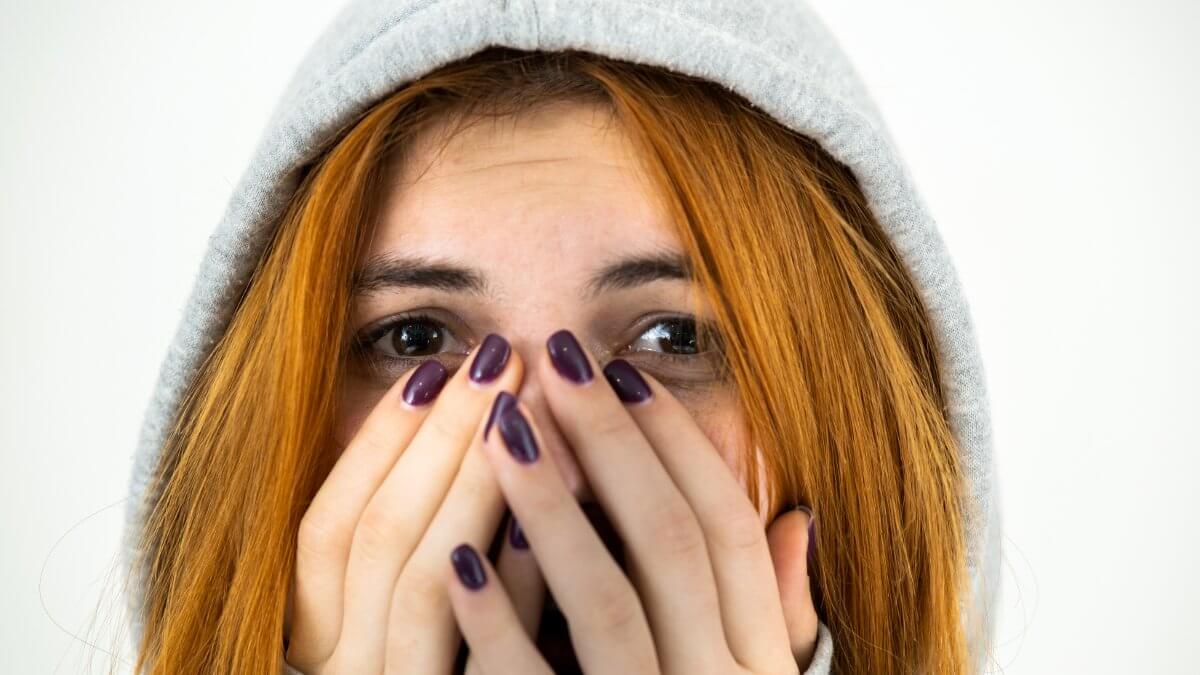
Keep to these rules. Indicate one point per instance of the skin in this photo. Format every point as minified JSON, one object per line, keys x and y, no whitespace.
{"x":536,"y":204}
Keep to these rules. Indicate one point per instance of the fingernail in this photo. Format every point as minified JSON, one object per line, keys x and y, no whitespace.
{"x":568,"y":357}
{"x":490,"y":359}
{"x":812,"y":539}
{"x":425,"y":383}
{"x":812,"y":543}
{"x":517,"y":435}
{"x":516,"y":536}
{"x":468,"y":567}
{"x":629,"y":384}
{"x":504,"y":400}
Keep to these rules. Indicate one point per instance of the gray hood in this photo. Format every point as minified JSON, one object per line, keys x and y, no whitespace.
{"x":775,"y":53}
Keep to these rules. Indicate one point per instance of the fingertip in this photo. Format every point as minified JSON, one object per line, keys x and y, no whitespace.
{"x":493,"y":363}
{"x":469,"y":567}
{"x":627,"y":383}
{"x":790,"y":539}
{"x":503,"y":401}
{"x":809,"y":532}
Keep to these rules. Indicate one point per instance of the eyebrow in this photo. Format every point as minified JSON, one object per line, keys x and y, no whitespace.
{"x":390,"y":271}
{"x":385,"y":272}
{"x":635,"y":270}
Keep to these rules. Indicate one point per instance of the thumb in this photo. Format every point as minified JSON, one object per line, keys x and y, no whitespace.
{"x":788,"y":538}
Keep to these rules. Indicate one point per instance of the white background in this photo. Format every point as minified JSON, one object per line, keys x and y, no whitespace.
{"x":1055,"y":142}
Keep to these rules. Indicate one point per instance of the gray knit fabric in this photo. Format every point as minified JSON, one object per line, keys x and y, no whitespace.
{"x":776,"y":53}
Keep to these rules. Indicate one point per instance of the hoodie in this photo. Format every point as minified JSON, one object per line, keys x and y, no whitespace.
{"x":775,"y":53}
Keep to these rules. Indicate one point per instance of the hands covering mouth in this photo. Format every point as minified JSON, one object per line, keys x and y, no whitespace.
{"x":669,"y":571}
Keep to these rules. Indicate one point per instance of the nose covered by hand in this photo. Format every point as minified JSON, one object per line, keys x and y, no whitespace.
{"x":532,"y":394}
{"x":791,"y":534}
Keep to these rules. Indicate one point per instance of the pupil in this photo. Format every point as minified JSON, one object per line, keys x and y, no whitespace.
{"x":413,"y":337}
{"x":679,"y":341}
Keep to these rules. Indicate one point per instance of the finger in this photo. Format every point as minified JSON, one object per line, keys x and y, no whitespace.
{"x":520,"y":576}
{"x":397,"y":515}
{"x":751,"y":609}
{"x":486,"y":616}
{"x":664,"y":542}
{"x":789,"y":537}
{"x":327,"y":527}
{"x":609,"y":630}
{"x":422,"y":636}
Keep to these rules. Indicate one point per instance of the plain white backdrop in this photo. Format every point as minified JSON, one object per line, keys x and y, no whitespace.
{"x":1054,"y":140}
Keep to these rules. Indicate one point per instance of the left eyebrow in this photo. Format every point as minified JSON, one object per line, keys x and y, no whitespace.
{"x":636,"y":270}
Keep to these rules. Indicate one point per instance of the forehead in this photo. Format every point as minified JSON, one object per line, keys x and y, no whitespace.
{"x":557,"y":191}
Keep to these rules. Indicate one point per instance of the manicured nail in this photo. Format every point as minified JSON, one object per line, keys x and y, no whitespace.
{"x":468,"y":567}
{"x":629,"y":384}
{"x":504,"y":400}
{"x":516,"y":536}
{"x":517,"y":434}
{"x":812,"y":538}
{"x":814,"y":578}
{"x":568,"y":357}
{"x":490,"y":359}
{"x":425,"y":383}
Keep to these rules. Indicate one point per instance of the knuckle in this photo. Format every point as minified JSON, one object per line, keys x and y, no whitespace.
{"x":739,"y":531}
{"x":614,"y":426}
{"x":316,"y":537}
{"x":614,"y":608}
{"x":420,"y":598}
{"x":491,"y":631}
{"x":379,"y":533}
{"x":549,"y":503}
{"x":675,"y":530}
{"x":446,"y":428}
{"x":373,"y":439}
{"x":476,"y":479}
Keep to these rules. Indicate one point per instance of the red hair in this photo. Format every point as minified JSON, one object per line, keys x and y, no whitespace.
{"x":824,"y":334}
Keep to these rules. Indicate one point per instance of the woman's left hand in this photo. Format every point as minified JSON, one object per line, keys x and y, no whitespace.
{"x":702,"y":595}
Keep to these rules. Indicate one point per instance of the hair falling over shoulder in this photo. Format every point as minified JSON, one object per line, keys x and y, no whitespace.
{"x":824,"y":335}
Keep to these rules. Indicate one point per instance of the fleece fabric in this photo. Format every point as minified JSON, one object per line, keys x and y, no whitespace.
{"x":775,"y":53}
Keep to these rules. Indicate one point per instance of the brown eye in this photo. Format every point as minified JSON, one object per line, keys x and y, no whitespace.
{"x":674,"y":336}
{"x":415,"y":337}
{"x":406,"y":337}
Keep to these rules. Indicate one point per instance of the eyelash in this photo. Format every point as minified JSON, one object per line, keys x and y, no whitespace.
{"x":362,"y":344}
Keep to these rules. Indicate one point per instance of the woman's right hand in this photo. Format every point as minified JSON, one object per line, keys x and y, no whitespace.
{"x":409,"y":487}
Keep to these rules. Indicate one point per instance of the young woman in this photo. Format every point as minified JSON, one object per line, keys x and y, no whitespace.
{"x":526,"y":329}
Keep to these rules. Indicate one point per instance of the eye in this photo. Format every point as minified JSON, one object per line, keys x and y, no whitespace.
{"x":403,"y":341}
{"x":412,"y":336}
{"x":681,"y":352}
{"x":672,"y":336}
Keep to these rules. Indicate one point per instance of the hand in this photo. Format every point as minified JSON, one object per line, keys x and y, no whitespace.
{"x":410,"y":485}
{"x":701,"y":595}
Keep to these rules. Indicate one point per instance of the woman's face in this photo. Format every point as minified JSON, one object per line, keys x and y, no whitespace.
{"x":521,"y":227}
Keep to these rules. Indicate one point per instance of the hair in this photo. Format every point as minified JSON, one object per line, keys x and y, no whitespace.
{"x":824,"y":336}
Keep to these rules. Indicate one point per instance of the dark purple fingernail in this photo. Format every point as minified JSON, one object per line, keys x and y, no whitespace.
{"x":425,"y":383}
{"x":517,"y":435}
{"x":568,"y":357}
{"x":468,"y":567}
{"x":504,"y":400}
{"x":812,"y":540}
{"x":516,"y":536}
{"x":629,"y":384}
{"x":490,"y":359}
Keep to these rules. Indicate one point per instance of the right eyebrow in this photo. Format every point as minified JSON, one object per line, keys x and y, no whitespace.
{"x":391,"y":271}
